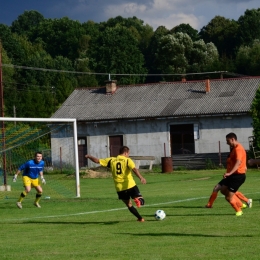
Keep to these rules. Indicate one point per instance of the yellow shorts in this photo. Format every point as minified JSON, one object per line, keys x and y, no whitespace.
{"x":27,"y":181}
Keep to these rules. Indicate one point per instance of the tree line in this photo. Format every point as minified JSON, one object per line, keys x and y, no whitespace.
{"x":118,"y":47}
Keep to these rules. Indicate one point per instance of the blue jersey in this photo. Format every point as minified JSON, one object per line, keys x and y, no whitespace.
{"x":32,"y":169}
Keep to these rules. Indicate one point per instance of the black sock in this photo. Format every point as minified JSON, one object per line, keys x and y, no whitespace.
{"x":134,"y":211}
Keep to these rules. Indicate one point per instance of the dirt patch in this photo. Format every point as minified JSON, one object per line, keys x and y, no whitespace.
{"x":96,"y":174}
{"x":200,"y":179}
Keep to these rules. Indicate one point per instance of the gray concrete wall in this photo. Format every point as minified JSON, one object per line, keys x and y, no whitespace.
{"x":213,"y":131}
{"x":62,"y":146}
{"x":62,"y":152}
{"x":150,"y":137}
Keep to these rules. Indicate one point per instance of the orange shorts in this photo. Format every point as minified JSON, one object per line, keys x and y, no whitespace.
{"x":27,"y":181}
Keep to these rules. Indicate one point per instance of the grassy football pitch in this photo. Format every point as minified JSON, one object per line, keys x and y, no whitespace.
{"x":99,"y":226}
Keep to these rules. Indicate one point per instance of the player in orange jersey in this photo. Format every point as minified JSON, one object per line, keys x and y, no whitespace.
{"x":235,"y":174}
{"x":241,"y":196}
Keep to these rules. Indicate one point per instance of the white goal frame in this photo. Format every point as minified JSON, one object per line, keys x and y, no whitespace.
{"x":57,"y":120}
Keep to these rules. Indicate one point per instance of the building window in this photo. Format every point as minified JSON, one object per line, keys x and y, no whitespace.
{"x":81,"y":141}
{"x":196,"y":131}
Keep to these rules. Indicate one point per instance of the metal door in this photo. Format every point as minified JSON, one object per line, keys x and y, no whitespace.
{"x":115,"y":142}
{"x":82,"y":150}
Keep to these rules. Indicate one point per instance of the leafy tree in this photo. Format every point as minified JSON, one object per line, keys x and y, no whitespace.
{"x":60,"y":37}
{"x":150,"y":57}
{"x":118,"y":53}
{"x":85,"y":80}
{"x":11,"y":44}
{"x":91,"y":32}
{"x":223,"y":33}
{"x":173,"y":52}
{"x":141,"y":32}
{"x":8,"y":82}
{"x":27,"y":91}
{"x":26,"y":22}
{"x":248,"y":59}
{"x":178,"y":54}
{"x":255,"y":112}
{"x":64,"y":83}
{"x":82,"y":64}
{"x":33,"y":86}
{"x":186,"y":28}
{"x":249,"y":26}
{"x":203,"y":57}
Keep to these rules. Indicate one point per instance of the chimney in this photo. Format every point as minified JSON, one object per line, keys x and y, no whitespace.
{"x":207,"y":84}
{"x":111,"y":86}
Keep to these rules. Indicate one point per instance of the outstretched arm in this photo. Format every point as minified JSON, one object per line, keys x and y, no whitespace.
{"x":15,"y":175}
{"x":92,"y":158}
{"x":138,"y":174}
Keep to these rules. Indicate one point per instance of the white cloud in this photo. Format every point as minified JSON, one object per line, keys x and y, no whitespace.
{"x":173,"y":20}
{"x":169,"y":13}
{"x":160,"y":12}
{"x":128,"y":9}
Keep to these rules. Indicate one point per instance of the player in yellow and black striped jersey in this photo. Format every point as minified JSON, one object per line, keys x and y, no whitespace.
{"x":122,"y":167}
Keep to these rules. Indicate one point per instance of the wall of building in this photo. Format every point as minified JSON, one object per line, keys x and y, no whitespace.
{"x":62,"y":152}
{"x":213,"y":131}
{"x":143,"y":137}
{"x":152,"y":137}
{"x":62,"y":146}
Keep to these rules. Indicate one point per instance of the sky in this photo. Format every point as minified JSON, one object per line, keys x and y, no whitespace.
{"x":168,"y":13}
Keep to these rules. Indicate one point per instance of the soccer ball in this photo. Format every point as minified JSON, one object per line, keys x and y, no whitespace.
{"x":159,"y":214}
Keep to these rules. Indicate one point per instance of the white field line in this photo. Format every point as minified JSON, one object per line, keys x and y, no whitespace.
{"x":103,"y":211}
{"x":110,"y":210}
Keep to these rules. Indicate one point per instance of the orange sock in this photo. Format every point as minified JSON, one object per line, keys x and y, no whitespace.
{"x":238,"y":201}
{"x":241,"y":196}
{"x":212,"y":198}
{"x":235,"y":203}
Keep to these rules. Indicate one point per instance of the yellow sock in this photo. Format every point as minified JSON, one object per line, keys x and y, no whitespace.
{"x":22,"y":196}
{"x":38,"y":197}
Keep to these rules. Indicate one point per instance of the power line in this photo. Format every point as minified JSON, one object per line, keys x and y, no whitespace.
{"x":51,"y":70}
{"x":29,"y":85}
{"x":114,"y":74}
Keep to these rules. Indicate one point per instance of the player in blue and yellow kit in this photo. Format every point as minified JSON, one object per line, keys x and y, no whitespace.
{"x":31,"y":171}
{"x":121,"y":168}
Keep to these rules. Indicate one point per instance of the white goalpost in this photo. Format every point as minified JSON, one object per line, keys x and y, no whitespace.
{"x":56,"y":138}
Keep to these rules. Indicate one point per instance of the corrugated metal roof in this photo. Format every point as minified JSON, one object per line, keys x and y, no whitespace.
{"x":174,"y":99}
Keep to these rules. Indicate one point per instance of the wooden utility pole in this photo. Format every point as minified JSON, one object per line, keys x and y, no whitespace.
{"x":2,"y":115}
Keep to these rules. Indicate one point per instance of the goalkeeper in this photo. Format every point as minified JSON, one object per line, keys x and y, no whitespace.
{"x":31,"y":171}
{"x":121,"y":168}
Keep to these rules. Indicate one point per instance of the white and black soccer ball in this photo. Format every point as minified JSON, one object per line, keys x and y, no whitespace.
{"x":159,"y":214}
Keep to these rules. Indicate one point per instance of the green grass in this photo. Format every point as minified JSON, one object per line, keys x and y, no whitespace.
{"x":98,"y":225}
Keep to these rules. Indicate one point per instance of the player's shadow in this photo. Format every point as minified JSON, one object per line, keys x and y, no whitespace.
{"x":191,"y":215}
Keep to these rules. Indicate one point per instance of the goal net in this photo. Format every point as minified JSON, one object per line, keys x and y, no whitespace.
{"x":56,"y":139}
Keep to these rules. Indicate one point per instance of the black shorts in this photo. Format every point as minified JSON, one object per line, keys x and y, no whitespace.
{"x":233,"y":182}
{"x":129,"y":193}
